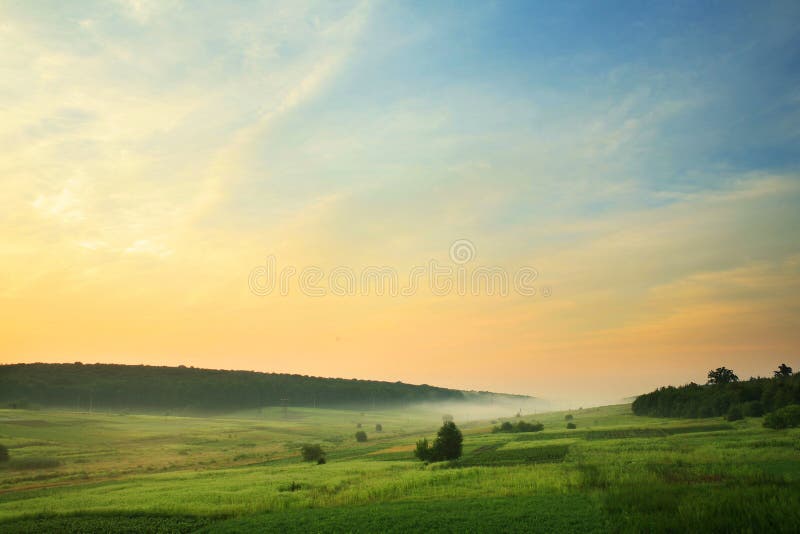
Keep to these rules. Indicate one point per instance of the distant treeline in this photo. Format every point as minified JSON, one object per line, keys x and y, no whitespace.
{"x":723,"y":395}
{"x":119,"y":387}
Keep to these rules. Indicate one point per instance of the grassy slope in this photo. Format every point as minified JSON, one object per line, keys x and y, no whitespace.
{"x":616,"y":471}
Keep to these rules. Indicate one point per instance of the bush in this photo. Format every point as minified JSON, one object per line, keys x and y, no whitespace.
{"x":571,"y":426}
{"x":786,"y":417}
{"x":734,"y":413}
{"x":423,"y":450}
{"x":313,"y":453}
{"x":378,"y":427}
{"x":3,"y":453}
{"x":521,"y":426}
{"x":568,"y":417}
{"x":361,"y":436}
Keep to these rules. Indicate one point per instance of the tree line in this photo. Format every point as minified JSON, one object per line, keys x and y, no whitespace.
{"x":111,"y":386}
{"x":723,"y":395}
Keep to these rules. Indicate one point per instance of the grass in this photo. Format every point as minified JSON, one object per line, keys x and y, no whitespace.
{"x":615,"y":472}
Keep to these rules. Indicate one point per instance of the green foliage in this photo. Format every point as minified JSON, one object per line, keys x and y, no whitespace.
{"x":524,"y":514}
{"x":520,"y":426}
{"x":753,"y":409}
{"x":3,"y":453}
{"x":571,"y":426}
{"x":625,"y":474}
{"x":149,"y":387}
{"x":722,"y":375}
{"x":783,"y":371}
{"x":734,"y":413}
{"x":568,"y":417}
{"x":448,"y":445}
{"x":756,"y":396}
{"x":494,"y":455}
{"x":361,"y":436}
{"x":423,"y":450}
{"x":131,"y":522}
{"x":378,"y":427}
{"x":786,"y":417}
{"x":312,"y":453}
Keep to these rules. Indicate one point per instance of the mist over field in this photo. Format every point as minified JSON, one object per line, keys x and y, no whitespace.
{"x":368,"y":266}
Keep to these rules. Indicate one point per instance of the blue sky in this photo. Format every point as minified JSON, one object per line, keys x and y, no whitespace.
{"x":642,"y":155}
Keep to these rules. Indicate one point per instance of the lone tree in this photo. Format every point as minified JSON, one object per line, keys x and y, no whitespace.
{"x":3,"y":453}
{"x":446,"y":446}
{"x":361,"y":436}
{"x":783,"y":371}
{"x":568,"y":417}
{"x":378,"y":427}
{"x":722,"y":375}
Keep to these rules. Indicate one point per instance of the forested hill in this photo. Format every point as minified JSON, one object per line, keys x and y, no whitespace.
{"x":753,"y":397}
{"x":110,"y":386}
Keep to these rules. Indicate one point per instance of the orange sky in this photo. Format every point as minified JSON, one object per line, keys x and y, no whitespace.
{"x":149,"y":165}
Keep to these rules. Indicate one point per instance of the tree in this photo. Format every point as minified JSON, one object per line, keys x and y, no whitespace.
{"x":3,"y":453}
{"x":571,"y":426}
{"x":568,"y":417}
{"x":378,"y":427}
{"x":722,"y":375}
{"x":446,"y":446}
{"x":361,"y":436}
{"x":783,"y":371}
{"x":448,"y":443}
{"x":313,"y":453}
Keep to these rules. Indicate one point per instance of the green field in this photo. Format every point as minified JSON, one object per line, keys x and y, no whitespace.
{"x":243,"y":472}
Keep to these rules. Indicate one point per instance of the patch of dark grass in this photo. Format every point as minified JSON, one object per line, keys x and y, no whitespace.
{"x":24,"y":464}
{"x":717,"y":507}
{"x":624,"y":433}
{"x":492,"y":455}
{"x":108,"y":522}
{"x":541,"y":513}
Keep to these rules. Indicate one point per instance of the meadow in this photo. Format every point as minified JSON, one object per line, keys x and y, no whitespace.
{"x":243,"y":472}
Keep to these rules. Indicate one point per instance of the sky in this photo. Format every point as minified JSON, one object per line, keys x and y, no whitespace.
{"x":642,"y":159}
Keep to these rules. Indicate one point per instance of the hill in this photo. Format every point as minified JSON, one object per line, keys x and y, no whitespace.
{"x":752,"y":397}
{"x":112,"y":386}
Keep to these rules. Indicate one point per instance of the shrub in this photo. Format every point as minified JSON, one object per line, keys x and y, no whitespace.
{"x":358,"y":425}
{"x":522,"y":426}
{"x":568,"y":417}
{"x":361,"y":436}
{"x":571,"y":426}
{"x":3,"y":453}
{"x":313,"y":453}
{"x":378,"y":427}
{"x":423,"y":450}
{"x":734,"y":413}
{"x":786,"y":417}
